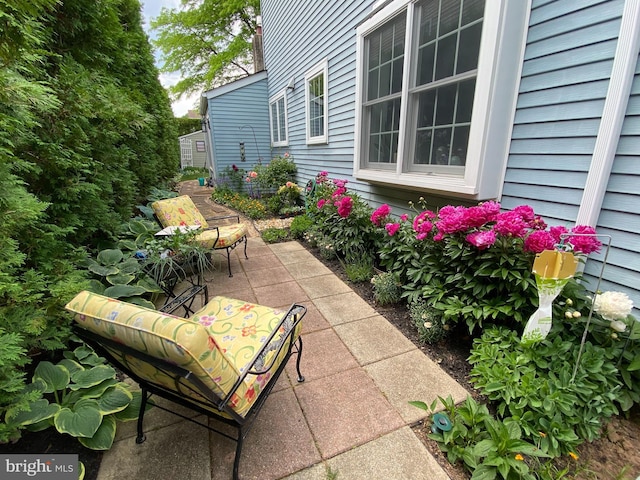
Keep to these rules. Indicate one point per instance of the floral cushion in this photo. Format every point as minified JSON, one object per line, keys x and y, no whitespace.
{"x":181,"y":342}
{"x":182,"y":211}
{"x":229,"y":235}
{"x":178,"y":211}
{"x":217,"y":343}
{"x":240,"y":330}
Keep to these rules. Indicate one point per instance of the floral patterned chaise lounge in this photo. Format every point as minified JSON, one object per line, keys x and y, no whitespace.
{"x":181,"y":211}
{"x":222,"y":361}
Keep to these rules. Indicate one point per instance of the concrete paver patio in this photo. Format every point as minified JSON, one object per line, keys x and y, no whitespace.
{"x":351,"y":416}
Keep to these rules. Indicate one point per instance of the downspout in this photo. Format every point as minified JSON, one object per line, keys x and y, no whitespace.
{"x":208,"y":140}
{"x":613,"y":114}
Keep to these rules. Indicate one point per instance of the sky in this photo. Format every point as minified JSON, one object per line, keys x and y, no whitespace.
{"x":151,"y":9}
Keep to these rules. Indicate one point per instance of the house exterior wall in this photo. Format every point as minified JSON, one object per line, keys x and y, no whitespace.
{"x":565,"y":80}
{"x":199,"y":159}
{"x":235,"y":115}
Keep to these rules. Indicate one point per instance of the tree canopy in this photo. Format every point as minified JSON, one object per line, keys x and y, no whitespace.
{"x":208,"y":41}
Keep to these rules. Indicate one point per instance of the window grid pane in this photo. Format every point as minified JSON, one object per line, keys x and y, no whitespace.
{"x":316,"y":106}
{"x":448,"y":45}
{"x":384,"y":79}
{"x":274,"y":123}
{"x":281,"y":122}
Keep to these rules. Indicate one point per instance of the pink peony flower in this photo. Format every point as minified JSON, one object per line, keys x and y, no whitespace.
{"x":404,"y":217}
{"x":538,"y":241}
{"x":286,"y":155}
{"x":511,"y":224}
{"x":392,"y":228}
{"x":557,"y":231}
{"x":380,"y":214}
{"x":321,"y":203}
{"x":585,"y":244}
{"x":483,"y":239}
{"x":345,"y":206}
{"x":340,"y":183}
{"x":438,"y":237}
{"x":452,"y":219}
{"x":339,"y":192}
{"x":525,"y":212}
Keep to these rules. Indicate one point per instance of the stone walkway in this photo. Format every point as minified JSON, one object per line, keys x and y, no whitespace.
{"x":350,"y":417}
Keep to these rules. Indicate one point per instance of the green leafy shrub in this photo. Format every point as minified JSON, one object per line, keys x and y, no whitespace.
{"x":343,"y":217}
{"x":489,"y":448}
{"x":279,"y":171}
{"x":231,"y":179}
{"x":386,"y":288}
{"x":191,"y":173}
{"x":79,"y":396}
{"x":473,"y":264}
{"x":300,"y":225}
{"x":274,"y":235}
{"x":358,"y":265}
{"x":428,"y":322}
{"x":535,"y":386}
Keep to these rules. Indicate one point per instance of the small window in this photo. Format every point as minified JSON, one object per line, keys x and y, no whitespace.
{"x":278,"y":119}
{"x":200,"y":146}
{"x":316,"y":101}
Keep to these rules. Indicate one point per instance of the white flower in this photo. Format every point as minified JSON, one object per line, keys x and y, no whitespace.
{"x":568,"y":314}
{"x":612,"y":305}
{"x":428,"y":324}
{"x":618,"y":326}
{"x":576,"y":314}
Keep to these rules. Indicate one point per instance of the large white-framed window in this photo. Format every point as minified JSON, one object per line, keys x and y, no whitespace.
{"x":436,"y":85}
{"x":278,"y":119}
{"x":316,"y":103}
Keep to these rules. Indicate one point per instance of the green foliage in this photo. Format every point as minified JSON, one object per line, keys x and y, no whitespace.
{"x":428,"y":322}
{"x":489,"y":448}
{"x":358,"y":265}
{"x":276,"y":173}
{"x":299,"y":226}
{"x":231,"y":180}
{"x":251,"y":207}
{"x":191,"y":173}
{"x":185,"y":125}
{"x":287,"y":200}
{"x":346,"y":228}
{"x":85,"y":130}
{"x":274,"y":235}
{"x":79,"y":396}
{"x":534,"y":386}
{"x":219,"y":31}
{"x":386,"y":288}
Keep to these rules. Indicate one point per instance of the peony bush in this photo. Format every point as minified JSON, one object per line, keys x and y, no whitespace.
{"x":473,"y":264}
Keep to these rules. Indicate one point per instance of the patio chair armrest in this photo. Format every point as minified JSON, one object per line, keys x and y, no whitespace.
{"x":276,"y":342}
{"x":223,"y":217}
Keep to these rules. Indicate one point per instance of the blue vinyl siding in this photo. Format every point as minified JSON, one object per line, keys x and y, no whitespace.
{"x":232,"y":115}
{"x":566,"y":71}
{"x":565,"y":76}
{"x":620,"y":215}
{"x":297,"y":36}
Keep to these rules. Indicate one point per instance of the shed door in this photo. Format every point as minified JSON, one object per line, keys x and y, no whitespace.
{"x":186,"y":153}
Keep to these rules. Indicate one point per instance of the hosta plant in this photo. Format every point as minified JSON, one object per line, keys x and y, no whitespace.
{"x":80,"y":396}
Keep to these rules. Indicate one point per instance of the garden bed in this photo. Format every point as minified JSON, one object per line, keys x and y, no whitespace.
{"x":614,"y":456}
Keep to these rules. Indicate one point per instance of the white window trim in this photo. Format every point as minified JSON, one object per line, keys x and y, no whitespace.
{"x":497,"y":81}
{"x":275,"y":98}
{"x":320,"y":68}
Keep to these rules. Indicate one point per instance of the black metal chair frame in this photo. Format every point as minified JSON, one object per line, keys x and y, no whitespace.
{"x":185,"y":380}
{"x":229,"y":247}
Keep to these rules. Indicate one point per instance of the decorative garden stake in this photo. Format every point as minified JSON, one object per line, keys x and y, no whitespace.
{"x":552,"y":269}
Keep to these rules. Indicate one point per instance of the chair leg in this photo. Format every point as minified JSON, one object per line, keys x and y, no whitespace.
{"x":236,"y":461}
{"x":143,"y":405}
{"x":229,"y":261}
{"x":300,"y":377}
{"x":245,"y":248}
